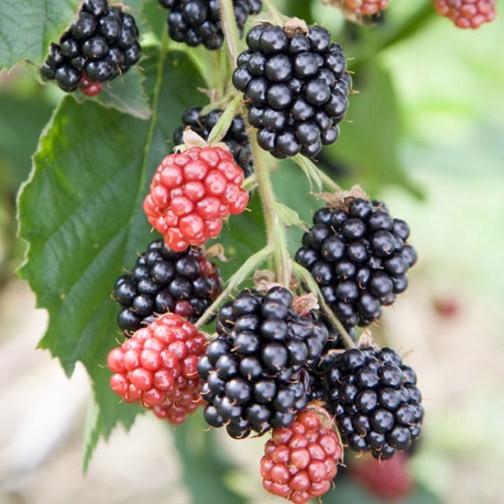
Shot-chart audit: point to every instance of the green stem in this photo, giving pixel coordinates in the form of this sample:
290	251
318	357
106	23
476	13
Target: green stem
328	181
221	127
307	278
228	22
251	264
275	13
275	229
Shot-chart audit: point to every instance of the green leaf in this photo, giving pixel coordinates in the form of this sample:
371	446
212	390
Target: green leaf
126	94
81	215
27	28
242	235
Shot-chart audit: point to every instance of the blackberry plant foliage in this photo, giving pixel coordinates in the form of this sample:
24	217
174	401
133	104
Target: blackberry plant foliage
167	233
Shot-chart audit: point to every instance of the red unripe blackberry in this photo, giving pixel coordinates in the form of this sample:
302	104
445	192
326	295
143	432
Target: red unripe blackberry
184	283
301	460
360	9
359	256
295	87
236	139
255	371
198	22
157	367
374	399
99	45
467	13
191	193
385	479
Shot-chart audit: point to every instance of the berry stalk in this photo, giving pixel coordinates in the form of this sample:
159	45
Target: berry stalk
307	278
251	264
230	30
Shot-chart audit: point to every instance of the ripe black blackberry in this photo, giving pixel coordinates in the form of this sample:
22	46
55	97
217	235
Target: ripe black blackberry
101	44
295	86
236	138
374	398
359	256
254	371
162	280
198	22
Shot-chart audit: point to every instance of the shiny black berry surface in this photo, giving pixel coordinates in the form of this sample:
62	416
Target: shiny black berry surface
359	256
295	87
255	373
101	44
375	400
196	22
163	281
236	138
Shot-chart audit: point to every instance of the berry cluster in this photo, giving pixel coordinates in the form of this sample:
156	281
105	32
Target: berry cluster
163	281
157	367
467	13
295	86
301	460
374	398
253	371
198	22
191	193
359	256
101	44
236	139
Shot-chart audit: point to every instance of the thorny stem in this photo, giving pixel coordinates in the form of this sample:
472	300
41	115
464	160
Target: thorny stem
251	264
275	229
307	278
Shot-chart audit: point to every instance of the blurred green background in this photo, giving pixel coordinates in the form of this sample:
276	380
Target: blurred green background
426	134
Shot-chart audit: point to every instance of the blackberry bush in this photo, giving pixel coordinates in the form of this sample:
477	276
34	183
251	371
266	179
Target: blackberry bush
295	86
196	22
236	139
275	355
252	371
359	256
184	283
101	44
374	399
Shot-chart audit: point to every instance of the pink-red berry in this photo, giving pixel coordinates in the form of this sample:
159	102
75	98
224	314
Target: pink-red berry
191	193
157	367
467	13
301	460
363	7
386	479
88	87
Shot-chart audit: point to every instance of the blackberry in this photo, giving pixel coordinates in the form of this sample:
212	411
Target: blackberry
295	87
253	372
198	22
163	281
374	399
359	256
100	44
236	138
